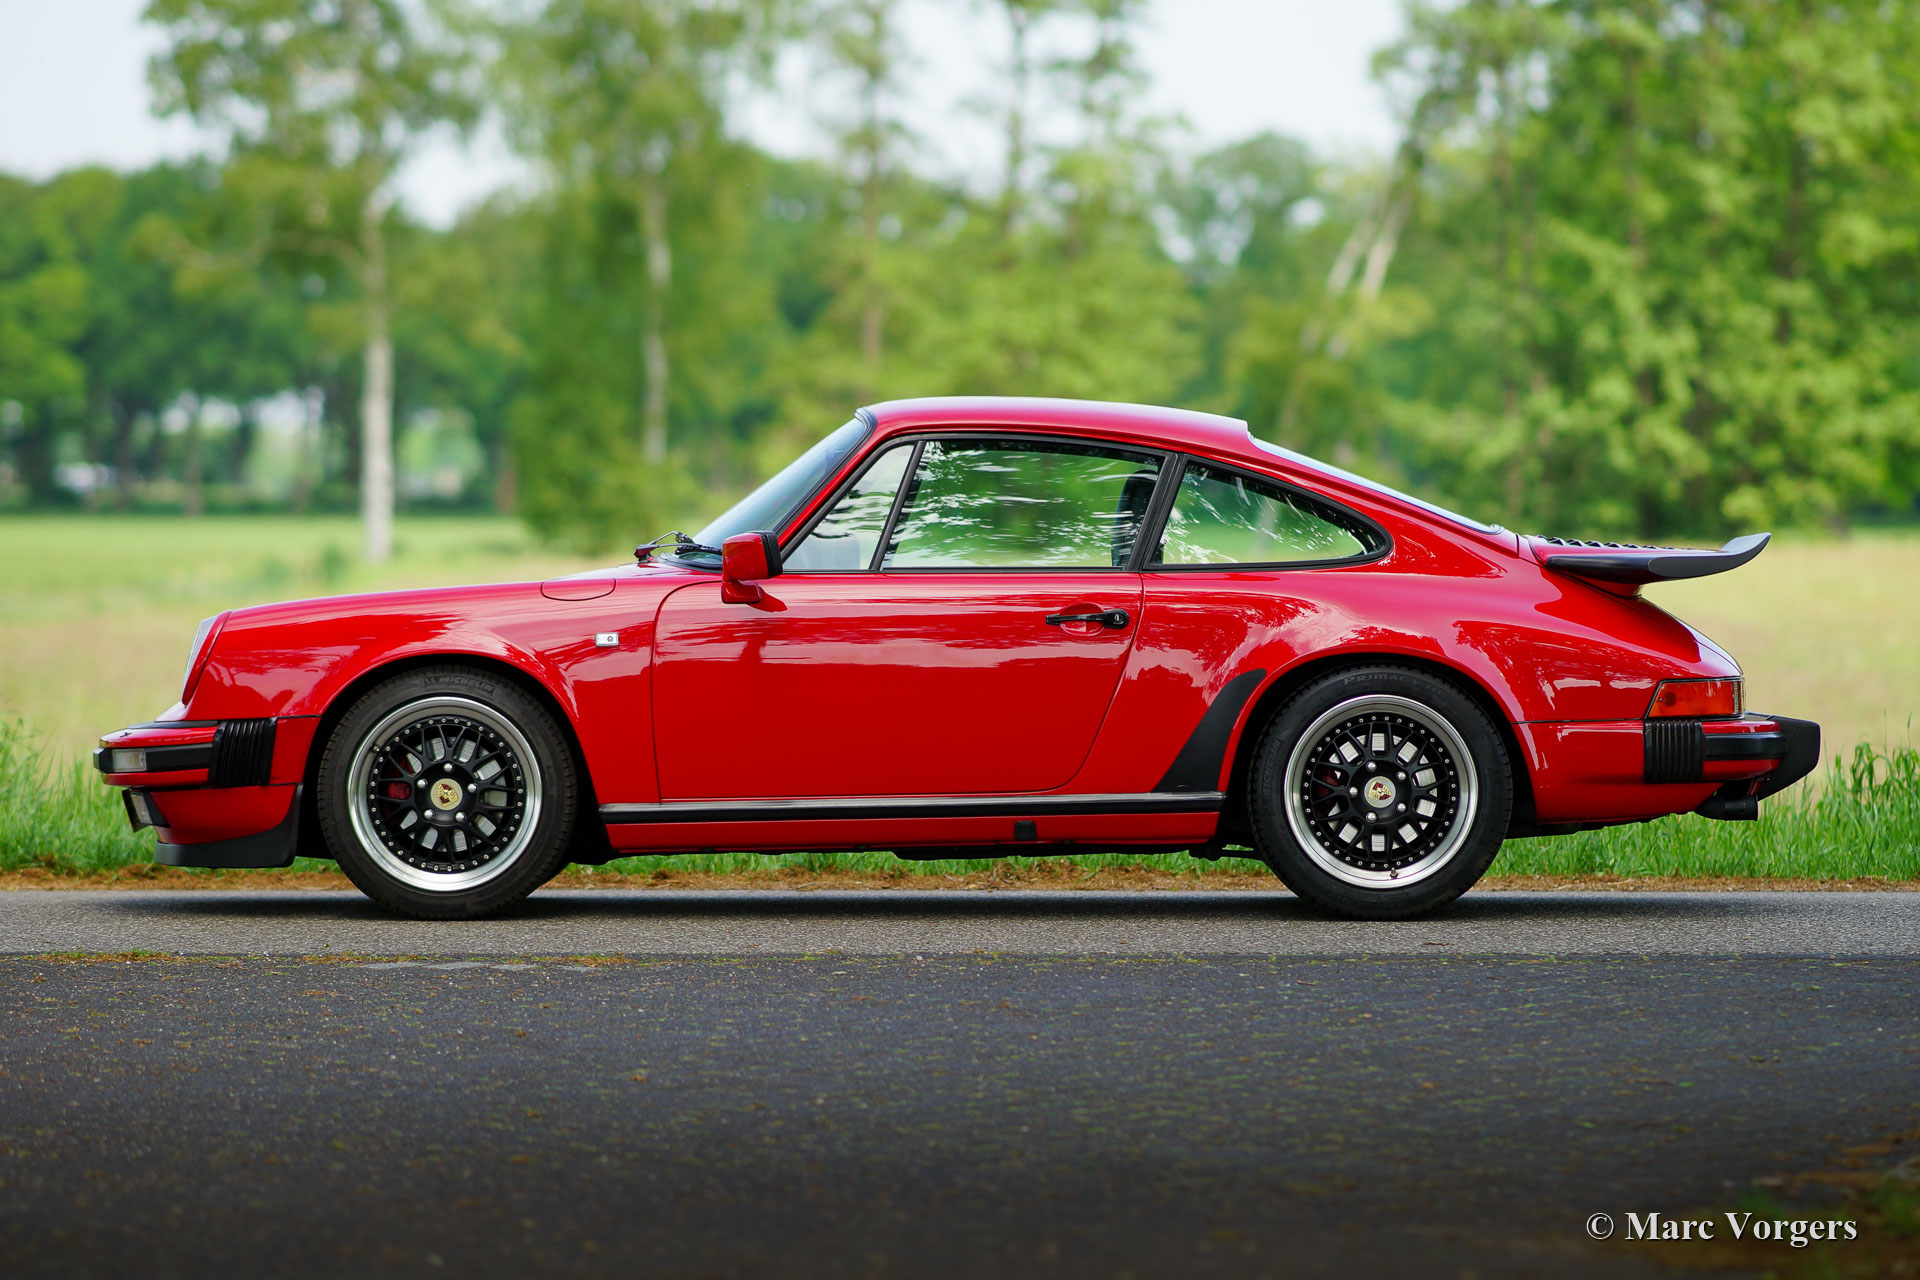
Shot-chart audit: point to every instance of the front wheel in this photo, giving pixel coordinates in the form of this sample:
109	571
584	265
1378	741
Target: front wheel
447	793
1380	793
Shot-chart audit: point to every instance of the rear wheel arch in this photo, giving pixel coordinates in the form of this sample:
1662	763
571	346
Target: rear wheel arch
590	843
1236	824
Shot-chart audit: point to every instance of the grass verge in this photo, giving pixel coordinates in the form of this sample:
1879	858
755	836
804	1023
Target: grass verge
58	821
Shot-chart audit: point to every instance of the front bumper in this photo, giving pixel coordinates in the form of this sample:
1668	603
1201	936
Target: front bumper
1751	756
186	753
219	793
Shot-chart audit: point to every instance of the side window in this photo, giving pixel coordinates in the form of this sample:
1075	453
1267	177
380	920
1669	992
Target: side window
1223	517
849	534
984	504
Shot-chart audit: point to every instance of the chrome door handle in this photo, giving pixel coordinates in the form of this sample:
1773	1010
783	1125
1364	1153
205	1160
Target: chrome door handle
1110	618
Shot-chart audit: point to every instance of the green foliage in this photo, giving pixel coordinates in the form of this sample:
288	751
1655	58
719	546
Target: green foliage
1672	246
1640	267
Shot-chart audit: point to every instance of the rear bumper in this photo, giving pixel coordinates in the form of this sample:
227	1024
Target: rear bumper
1595	773
1758	756
222	793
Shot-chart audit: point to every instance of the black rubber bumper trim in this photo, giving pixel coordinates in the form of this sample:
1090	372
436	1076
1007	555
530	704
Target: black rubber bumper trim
1797	745
176	759
921	807
242	754
133	799
1801	758
271	848
1746	746
1673	750
1678	750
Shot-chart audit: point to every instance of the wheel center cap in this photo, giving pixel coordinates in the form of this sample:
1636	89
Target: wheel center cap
445	794
1379	792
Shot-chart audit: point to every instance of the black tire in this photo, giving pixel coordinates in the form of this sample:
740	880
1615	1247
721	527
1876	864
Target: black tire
1380	793
447	793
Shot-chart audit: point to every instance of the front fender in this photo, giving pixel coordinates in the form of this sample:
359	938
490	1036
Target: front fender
295	661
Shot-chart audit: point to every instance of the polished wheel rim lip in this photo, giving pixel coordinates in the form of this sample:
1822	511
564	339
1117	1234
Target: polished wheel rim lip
381	846
1442	749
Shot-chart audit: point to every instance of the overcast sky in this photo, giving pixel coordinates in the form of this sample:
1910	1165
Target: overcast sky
73	88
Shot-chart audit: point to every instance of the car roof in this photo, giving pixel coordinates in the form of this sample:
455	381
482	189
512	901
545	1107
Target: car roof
1207	433
1145	424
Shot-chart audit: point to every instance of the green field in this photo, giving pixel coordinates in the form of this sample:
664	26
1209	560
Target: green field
96	615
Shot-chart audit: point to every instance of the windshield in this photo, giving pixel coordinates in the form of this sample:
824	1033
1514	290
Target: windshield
1377	487
774	503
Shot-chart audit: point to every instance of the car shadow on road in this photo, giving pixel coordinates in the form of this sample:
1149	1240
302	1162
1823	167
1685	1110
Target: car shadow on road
1474	911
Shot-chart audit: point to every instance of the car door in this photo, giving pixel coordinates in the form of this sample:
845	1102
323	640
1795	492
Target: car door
955	624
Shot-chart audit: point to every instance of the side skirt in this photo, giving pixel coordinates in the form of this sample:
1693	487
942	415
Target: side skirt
864	808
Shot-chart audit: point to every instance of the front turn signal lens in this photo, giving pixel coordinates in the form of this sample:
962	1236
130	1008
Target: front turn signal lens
127	760
1723	697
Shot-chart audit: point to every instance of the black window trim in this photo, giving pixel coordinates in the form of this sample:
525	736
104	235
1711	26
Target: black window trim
1169	460
1339	511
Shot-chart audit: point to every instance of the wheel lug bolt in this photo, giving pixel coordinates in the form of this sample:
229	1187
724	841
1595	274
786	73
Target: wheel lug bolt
421	783
473	786
459	817
1400	808
1353	791
447	767
1401	776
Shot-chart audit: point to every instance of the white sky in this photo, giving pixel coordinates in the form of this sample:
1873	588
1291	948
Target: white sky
73	88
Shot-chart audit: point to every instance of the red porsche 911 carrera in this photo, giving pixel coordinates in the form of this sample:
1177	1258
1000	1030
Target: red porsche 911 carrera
969	627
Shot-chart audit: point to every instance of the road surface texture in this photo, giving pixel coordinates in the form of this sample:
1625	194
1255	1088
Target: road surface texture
789	922
909	1085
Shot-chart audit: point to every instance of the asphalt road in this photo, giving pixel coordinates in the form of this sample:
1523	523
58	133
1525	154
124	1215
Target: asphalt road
1206	1088
775	922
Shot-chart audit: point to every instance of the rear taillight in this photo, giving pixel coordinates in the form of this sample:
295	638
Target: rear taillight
1722	697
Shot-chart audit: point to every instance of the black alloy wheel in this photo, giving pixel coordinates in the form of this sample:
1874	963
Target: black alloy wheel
1380	793
447	793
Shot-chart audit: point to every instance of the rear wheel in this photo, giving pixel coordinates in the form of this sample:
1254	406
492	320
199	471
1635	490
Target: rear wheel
1380	793
447	793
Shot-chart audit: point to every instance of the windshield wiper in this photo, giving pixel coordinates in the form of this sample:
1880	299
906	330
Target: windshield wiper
680	543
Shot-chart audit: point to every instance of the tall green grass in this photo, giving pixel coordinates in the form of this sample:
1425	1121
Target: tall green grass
1864	822
56	814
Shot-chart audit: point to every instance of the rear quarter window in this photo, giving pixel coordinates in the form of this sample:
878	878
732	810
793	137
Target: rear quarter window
1225	517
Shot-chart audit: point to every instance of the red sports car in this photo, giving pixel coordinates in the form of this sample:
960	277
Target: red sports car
970	627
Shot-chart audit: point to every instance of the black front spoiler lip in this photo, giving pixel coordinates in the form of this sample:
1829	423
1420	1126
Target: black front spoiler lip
273	847
1799	750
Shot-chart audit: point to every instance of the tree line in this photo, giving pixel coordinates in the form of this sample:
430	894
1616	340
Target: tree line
1637	267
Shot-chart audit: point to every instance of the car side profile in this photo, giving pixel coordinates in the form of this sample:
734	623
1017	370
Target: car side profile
978	627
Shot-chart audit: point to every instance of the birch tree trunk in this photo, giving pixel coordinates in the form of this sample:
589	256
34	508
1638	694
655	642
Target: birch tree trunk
653	339
195	461
376	397
1019	20
123	421
873	316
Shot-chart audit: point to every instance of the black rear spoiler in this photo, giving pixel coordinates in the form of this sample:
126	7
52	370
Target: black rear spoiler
1628	563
